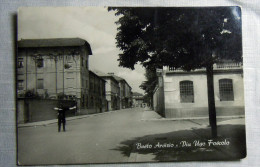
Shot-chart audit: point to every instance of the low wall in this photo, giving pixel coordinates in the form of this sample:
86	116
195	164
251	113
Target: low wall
33	110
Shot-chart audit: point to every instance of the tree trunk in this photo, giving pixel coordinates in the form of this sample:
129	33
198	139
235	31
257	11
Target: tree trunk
211	101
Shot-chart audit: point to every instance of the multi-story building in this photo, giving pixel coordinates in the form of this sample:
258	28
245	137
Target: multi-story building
125	92
182	94
96	99
112	91
53	67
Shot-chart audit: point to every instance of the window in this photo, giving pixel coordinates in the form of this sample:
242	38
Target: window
186	92
20	85
226	90
20	63
39	63
40	84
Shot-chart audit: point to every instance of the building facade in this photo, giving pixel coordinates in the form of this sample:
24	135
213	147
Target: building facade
138	99
184	94
96	99
125	92
54	67
112	91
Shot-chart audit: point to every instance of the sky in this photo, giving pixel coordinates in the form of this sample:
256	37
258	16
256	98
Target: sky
94	24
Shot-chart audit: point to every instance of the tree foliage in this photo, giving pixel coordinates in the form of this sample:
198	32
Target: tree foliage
149	85
178	37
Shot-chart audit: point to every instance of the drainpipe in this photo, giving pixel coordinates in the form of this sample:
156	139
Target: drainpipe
26	70
36	75
63	72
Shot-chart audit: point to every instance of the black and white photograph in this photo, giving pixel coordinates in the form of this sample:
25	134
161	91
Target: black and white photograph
102	85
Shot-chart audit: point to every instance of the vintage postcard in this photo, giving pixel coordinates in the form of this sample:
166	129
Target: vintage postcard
129	84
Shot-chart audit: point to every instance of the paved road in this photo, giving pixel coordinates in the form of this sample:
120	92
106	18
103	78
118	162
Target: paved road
89	140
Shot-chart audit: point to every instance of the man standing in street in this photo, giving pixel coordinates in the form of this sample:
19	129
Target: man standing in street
62	115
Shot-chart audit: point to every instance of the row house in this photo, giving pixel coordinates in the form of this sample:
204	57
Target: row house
182	94
112	91
118	91
96	101
125	92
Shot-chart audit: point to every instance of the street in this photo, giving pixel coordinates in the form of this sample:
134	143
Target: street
94	139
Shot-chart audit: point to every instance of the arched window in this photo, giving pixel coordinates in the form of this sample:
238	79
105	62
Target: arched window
226	90
186	92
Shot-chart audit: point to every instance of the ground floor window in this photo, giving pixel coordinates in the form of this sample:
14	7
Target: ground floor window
226	90
186	92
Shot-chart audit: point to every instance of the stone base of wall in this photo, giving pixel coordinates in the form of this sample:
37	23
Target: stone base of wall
202	112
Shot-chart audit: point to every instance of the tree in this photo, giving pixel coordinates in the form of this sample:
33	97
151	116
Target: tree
181	38
149	85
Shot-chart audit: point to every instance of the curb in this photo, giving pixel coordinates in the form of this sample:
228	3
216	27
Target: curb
53	121
192	118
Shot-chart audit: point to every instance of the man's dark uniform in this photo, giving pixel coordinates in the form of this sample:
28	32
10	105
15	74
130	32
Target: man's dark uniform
62	118
62	114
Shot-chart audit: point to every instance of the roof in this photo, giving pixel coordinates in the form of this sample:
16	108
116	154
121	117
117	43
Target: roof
101	74
104	75
91	72
119	79
53	42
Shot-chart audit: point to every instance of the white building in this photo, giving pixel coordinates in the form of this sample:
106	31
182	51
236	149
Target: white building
184	94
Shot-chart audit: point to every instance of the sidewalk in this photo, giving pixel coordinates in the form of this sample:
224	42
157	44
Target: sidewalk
151	115
53	121
231	128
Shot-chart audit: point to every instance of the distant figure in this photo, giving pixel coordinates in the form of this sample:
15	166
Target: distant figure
62	115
